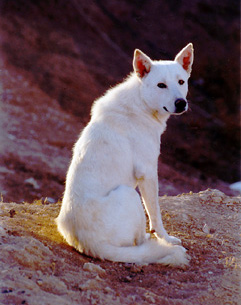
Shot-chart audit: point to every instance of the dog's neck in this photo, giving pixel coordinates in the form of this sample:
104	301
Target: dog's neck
160	119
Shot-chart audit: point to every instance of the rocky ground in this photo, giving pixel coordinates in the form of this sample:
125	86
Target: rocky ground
38	267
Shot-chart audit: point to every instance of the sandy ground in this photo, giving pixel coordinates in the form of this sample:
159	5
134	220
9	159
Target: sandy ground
38	267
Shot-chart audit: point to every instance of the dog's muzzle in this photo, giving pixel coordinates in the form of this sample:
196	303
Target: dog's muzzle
180	105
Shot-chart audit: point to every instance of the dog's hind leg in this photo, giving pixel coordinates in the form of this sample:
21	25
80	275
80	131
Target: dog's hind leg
125	221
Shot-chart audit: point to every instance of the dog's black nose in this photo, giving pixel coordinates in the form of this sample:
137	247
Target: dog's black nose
180	105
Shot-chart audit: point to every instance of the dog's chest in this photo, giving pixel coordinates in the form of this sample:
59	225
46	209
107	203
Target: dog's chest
145	146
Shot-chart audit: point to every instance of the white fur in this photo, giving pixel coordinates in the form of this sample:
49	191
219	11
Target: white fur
102	214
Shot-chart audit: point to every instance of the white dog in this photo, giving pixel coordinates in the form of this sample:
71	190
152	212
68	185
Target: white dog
102	214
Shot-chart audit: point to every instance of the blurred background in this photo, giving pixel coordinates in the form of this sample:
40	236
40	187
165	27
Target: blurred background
57	56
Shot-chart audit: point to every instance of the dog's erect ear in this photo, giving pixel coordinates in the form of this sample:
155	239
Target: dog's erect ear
185	58
141	63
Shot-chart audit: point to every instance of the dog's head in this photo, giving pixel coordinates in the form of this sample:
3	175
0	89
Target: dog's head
164	84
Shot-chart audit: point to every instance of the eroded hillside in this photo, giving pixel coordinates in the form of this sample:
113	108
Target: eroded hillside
57	58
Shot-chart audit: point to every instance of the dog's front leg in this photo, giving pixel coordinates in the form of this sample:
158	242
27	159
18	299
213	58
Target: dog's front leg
149	192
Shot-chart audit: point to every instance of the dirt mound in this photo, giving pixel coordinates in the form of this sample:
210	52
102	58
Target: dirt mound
38	267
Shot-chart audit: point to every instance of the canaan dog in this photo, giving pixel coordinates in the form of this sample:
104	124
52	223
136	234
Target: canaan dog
102	214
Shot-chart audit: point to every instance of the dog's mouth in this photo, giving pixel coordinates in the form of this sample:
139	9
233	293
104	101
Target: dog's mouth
177	112
181	106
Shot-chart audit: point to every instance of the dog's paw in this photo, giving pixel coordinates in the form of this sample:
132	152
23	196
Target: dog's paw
170	239
173	240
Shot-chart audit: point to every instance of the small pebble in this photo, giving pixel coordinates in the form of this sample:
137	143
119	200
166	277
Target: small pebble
94	268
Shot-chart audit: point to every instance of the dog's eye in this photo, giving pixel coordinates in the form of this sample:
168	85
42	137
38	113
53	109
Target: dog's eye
181	82
162	85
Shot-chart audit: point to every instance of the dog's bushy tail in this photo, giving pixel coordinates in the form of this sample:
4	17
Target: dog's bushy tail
151	251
